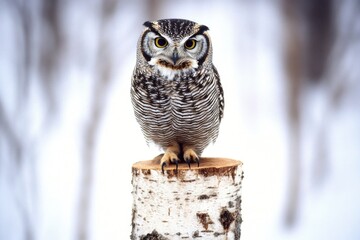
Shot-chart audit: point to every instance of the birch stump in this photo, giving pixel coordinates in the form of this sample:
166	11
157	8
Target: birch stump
201	202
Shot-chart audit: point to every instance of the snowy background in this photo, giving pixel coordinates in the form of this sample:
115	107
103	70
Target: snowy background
68	136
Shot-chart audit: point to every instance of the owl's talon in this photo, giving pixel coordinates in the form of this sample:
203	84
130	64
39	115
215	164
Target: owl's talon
188	161
177	166
191	156
162	167
176	161
197	161
169	157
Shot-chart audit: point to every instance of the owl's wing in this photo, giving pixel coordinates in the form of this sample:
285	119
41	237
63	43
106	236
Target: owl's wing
221	93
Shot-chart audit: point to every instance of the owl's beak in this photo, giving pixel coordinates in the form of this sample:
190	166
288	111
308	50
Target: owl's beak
175	56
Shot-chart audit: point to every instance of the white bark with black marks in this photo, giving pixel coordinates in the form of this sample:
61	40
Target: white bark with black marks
201	202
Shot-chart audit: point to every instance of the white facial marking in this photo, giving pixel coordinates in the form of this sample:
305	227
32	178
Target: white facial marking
168	72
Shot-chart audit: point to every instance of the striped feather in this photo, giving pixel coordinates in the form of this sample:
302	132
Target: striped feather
187	109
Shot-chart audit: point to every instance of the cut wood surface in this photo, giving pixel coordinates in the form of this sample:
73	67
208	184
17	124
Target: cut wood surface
200	202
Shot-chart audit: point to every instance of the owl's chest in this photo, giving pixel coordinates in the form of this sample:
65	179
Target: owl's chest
160	98
175	95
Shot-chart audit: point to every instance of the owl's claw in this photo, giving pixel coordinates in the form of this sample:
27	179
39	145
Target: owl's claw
188	161
162	167
191	156
164	164
197	161
167	158
176	161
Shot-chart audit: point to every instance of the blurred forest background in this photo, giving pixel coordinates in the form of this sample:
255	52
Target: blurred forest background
68	136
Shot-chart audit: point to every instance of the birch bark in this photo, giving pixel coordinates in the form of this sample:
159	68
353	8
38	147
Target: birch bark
201	202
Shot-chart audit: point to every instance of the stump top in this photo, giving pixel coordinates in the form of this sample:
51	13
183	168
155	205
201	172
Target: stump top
205	163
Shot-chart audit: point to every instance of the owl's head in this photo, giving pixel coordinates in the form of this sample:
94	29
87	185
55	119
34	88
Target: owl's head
175	45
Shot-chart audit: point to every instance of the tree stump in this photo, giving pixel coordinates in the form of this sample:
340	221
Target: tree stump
201	202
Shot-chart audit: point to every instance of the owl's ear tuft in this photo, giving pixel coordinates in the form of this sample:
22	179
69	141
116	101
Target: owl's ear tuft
151	26
203	28
148	24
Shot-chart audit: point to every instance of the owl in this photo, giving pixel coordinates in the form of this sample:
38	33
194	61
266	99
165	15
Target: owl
176	92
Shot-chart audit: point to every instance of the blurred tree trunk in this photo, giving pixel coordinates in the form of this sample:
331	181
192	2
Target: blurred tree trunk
51	48
103	77
308	39
293	50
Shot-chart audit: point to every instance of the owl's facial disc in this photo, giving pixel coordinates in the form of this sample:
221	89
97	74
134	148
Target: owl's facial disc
174	53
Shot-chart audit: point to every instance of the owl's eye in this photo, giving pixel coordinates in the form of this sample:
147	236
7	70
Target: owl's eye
160	42
190	44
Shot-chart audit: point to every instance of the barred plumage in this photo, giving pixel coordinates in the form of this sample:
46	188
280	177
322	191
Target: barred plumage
176	91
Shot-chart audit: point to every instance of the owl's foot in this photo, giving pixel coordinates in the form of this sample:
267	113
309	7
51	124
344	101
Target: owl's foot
170	156
191	156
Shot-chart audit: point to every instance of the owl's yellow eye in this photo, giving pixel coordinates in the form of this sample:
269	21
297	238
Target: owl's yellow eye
160	42
190	44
